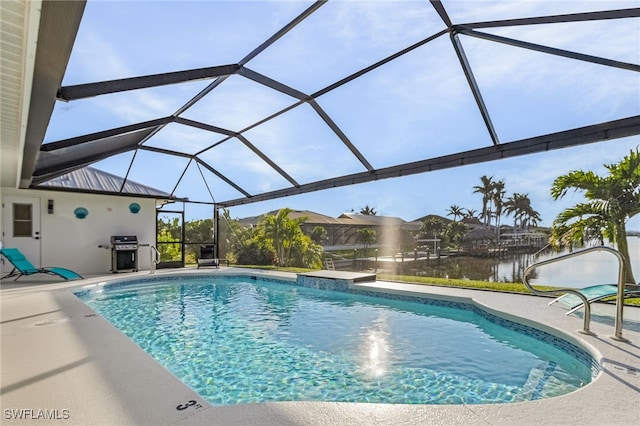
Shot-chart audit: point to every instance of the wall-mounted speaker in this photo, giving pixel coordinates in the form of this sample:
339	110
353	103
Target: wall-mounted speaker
50	206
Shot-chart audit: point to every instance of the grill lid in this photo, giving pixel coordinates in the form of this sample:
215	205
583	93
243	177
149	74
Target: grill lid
124	239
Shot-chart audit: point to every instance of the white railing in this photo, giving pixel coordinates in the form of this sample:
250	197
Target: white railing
155	258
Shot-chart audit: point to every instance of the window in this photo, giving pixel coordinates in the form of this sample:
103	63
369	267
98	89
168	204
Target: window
22	220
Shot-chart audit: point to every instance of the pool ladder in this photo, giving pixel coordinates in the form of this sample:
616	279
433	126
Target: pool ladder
587	307
155	257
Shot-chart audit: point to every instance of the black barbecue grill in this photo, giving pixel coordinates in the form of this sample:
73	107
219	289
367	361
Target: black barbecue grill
124	253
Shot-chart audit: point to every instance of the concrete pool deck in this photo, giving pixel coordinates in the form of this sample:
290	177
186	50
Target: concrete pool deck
62	362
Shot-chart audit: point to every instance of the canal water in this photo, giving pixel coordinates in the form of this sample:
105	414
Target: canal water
589	269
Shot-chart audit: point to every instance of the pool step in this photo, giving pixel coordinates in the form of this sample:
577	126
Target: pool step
538	378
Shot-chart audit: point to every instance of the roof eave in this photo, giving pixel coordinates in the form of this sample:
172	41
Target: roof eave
59	23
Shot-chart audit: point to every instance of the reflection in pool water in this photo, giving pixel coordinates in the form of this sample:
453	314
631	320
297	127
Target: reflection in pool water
239	340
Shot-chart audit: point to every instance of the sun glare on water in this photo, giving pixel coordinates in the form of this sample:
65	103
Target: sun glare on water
376	353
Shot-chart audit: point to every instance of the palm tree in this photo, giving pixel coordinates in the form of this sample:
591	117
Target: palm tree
366	236
512	207
282	231
531	217
369	211
519	205
470	213
497	198
492	199
611	201
455	211
486	190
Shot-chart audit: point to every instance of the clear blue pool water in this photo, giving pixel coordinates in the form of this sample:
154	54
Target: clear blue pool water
240	340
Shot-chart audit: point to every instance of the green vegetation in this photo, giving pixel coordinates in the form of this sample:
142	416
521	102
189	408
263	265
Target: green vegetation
611	201
319	235
450	234
169	237
366	237
276	240
196	232
450	282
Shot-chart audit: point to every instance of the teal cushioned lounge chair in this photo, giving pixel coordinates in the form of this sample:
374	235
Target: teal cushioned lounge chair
593	294
22	267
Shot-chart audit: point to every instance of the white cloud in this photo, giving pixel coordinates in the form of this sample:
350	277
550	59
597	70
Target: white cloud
96	59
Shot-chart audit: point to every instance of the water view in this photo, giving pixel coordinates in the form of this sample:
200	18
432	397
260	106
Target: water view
589	269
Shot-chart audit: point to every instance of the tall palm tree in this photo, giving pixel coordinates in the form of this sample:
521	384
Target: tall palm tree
513	206
520	206
531	218
455	211
492	199
497	198
611	201
486	190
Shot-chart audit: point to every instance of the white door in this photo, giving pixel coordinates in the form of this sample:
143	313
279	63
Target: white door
21	228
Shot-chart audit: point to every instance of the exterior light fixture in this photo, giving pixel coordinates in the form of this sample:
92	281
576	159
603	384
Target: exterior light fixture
81	212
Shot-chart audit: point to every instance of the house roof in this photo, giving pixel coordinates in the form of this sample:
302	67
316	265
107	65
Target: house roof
371	220
346	219
89	179
315	218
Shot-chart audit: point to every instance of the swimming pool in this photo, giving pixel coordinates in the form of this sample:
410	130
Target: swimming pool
240	339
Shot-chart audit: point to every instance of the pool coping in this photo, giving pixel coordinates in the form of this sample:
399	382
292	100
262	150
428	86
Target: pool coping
351	277
76	364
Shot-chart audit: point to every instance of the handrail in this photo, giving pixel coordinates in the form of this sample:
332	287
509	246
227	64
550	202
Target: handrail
154	262
587	306
541	250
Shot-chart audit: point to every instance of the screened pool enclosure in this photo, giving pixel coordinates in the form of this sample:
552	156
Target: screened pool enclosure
239	102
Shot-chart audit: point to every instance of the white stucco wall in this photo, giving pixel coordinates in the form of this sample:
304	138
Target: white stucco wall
72	243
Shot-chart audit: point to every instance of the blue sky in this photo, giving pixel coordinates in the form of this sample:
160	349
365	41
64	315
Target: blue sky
418	106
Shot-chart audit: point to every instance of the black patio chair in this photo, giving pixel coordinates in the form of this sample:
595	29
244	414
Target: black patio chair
207	257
